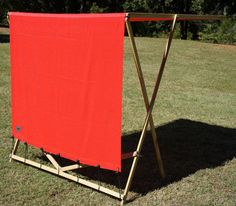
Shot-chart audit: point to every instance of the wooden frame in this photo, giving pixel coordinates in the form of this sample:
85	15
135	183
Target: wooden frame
62	171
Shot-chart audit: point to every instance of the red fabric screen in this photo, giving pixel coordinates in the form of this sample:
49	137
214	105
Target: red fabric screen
66	73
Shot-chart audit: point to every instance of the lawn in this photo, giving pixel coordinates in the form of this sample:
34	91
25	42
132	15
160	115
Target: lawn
195	117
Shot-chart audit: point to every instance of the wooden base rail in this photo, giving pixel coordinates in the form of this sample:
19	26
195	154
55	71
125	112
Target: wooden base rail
60	171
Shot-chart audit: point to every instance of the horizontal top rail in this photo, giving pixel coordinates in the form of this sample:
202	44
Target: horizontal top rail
170	17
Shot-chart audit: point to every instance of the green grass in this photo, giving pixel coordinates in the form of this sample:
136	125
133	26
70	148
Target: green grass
195	117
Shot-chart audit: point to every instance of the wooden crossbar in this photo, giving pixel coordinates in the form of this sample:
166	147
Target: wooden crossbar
72	167
128	155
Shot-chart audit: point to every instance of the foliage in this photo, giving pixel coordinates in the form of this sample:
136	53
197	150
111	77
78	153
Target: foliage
224	33
96	9
3	12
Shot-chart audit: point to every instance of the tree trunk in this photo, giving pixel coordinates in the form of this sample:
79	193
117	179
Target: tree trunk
184	30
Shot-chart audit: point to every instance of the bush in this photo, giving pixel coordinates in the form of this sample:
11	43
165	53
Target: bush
224	33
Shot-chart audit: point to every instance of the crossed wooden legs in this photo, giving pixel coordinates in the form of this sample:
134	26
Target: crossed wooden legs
149	107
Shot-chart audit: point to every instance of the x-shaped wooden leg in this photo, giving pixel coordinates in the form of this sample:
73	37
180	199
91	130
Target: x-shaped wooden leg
145	97
149	107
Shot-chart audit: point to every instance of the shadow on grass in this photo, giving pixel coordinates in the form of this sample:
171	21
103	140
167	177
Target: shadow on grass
187	146
4	38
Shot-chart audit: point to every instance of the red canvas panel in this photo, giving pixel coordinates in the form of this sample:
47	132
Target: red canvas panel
66	74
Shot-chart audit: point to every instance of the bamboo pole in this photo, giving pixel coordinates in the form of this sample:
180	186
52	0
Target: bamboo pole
145	97
142	137
15	147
